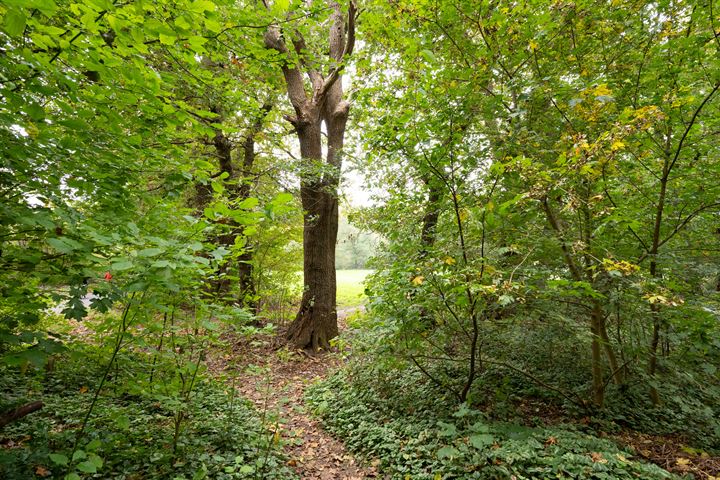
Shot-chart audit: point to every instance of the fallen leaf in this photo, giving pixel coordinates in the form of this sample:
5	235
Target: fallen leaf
42	471
597	457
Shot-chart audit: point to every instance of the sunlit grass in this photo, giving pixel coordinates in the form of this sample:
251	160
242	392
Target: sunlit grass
350	288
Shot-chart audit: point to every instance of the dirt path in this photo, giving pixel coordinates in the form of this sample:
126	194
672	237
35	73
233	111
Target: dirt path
275	380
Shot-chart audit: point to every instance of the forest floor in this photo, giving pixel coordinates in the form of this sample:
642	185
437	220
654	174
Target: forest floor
275	381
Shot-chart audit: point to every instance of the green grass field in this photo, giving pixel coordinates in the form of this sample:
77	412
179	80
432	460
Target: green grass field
350	288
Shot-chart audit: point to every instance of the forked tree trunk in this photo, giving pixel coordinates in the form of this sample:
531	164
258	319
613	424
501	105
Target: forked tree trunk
316	322
238	186
598	328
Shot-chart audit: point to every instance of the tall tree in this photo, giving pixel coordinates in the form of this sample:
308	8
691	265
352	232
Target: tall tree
316	321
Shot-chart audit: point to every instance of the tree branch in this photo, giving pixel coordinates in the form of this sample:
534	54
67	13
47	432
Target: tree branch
347	50
293	77
19	412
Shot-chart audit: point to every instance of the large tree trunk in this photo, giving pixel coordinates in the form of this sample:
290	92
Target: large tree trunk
316	322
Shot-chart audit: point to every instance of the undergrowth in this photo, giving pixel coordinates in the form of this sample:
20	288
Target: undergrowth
403	422
130	432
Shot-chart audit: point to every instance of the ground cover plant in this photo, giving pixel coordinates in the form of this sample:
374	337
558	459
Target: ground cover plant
132	430
418	436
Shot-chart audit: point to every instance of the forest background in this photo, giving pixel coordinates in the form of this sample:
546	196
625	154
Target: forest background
544	300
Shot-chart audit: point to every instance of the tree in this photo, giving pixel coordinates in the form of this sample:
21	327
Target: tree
316	320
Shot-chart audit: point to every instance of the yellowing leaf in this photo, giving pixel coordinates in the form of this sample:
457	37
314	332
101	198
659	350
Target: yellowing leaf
617	145
601	90
449	261
533	45
418	280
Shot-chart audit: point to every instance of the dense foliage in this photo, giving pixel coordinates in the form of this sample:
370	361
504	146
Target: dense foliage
545	230
561	155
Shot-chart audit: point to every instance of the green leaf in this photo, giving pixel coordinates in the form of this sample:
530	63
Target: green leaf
447	451
72	476
64	244
121	265
209	213
47	7
196	43
248	203
164	264
59	459
123	422
87	467
182	22
167	39
200	6
212	25
281	5
217	187
96	460
282	198
447	429
481	440
150	252
429	56
93	445
79	455
14	23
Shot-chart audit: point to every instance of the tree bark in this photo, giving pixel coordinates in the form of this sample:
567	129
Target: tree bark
316	321
247	290
431	216
654	249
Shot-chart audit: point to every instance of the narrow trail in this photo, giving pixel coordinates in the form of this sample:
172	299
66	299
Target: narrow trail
275	381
